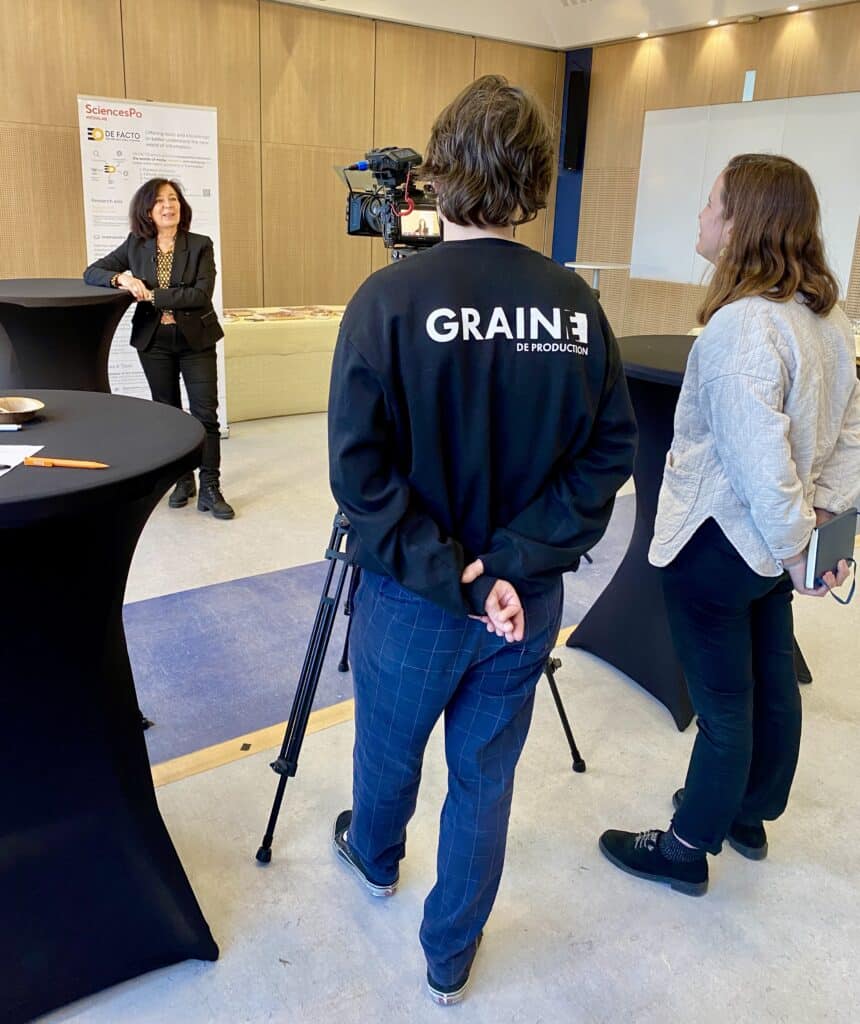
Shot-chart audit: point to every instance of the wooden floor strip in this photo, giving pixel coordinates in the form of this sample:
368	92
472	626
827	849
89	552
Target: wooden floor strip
563	634
229	751
244	746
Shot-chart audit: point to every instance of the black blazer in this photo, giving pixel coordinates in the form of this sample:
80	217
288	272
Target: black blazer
192	282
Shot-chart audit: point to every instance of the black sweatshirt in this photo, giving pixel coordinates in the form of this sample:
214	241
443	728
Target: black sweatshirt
478	408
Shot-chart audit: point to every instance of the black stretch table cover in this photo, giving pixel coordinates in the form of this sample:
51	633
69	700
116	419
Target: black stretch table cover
627	626
57	333
91	889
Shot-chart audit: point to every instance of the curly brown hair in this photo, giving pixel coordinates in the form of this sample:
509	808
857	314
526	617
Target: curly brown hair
775	247
142	202
490	155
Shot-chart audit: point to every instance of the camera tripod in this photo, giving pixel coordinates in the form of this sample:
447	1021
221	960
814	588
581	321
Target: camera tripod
287	762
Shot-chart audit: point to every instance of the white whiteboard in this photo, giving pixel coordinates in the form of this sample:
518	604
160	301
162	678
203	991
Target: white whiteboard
684	150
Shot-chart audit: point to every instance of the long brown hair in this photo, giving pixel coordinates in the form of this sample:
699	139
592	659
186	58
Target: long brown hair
142	202
490	155
775	248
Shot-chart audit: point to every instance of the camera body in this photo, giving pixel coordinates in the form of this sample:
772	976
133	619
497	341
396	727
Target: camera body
403	215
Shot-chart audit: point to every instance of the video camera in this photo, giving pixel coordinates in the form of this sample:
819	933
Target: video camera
392	208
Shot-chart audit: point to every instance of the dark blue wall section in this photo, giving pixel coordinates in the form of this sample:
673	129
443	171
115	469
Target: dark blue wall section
569	192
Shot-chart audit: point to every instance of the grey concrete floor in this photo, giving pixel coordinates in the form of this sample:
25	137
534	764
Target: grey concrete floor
571	938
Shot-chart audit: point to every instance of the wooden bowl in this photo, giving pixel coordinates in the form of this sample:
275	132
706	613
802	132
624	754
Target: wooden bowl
19	410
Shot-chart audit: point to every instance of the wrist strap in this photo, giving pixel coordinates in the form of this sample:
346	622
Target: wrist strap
846	600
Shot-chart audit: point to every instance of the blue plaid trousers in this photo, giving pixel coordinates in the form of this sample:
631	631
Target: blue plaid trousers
412	661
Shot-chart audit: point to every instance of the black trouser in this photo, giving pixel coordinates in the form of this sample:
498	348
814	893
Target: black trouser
734	636
164	360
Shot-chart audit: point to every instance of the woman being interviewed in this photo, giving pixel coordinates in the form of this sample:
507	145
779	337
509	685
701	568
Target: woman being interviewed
170	272
767	443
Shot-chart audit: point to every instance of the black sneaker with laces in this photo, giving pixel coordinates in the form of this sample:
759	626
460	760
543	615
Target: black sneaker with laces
750	841
340	842
638	854
212	500
448	995
184	490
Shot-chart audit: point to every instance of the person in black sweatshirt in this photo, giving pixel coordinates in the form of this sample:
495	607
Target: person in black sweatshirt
479	428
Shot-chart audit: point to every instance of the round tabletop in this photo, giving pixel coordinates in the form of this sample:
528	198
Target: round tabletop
135	437
659	358
55	291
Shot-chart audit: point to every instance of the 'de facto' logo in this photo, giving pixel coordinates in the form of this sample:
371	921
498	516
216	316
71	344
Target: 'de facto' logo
95	134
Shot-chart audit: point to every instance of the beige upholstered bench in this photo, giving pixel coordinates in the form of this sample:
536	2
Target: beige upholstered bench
278	360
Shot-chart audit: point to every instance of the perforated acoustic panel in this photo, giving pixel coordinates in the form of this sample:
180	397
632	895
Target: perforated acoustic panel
613	296
608	212
661	307
852	294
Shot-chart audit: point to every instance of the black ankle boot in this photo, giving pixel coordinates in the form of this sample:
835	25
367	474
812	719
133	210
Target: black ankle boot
185	488
750	841
212	500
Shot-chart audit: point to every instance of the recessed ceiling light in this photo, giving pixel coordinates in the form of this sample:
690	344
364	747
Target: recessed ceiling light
642	35
793	7
713	22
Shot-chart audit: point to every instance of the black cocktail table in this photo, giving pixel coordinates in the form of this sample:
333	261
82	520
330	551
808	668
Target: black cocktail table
627	626
56	333
91	889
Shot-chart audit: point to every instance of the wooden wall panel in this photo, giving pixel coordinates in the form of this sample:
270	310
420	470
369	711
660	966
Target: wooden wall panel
317	78
616	105
42	222
379	255
827	58
681	70
607	213
309	258
767	47
526	66
418	72
241	255
535	233
53	50
199	53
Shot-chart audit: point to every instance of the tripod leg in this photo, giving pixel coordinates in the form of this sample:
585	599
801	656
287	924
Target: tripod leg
286	764
549	670
343	664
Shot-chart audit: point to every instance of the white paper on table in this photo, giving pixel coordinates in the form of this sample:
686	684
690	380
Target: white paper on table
13	455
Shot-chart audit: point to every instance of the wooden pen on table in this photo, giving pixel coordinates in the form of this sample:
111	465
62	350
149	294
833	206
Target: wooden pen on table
33	460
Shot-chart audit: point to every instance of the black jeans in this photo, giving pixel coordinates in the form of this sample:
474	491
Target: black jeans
734	636
167	357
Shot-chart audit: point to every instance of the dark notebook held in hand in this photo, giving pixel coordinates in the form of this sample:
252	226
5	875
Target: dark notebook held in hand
830	542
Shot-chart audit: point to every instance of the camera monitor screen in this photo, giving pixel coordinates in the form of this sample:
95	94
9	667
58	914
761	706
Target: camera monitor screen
421	224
